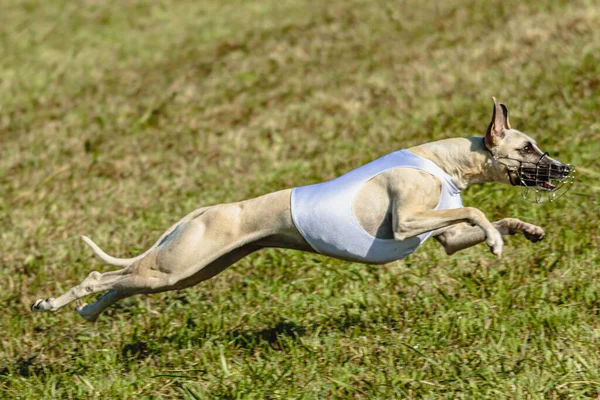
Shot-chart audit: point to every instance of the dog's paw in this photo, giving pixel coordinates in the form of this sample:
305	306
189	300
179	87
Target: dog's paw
42	305
495	242
80	308
510	226
533	233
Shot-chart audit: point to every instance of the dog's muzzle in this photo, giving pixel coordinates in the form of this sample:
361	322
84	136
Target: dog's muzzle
543	181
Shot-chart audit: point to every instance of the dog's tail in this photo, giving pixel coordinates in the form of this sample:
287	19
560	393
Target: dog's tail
126	262
119	262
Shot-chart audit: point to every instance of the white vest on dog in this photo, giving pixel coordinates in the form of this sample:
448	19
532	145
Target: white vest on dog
323	212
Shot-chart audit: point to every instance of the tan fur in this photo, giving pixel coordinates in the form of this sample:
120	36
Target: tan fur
398	204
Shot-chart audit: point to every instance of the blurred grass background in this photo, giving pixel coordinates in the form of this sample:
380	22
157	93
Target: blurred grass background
117	118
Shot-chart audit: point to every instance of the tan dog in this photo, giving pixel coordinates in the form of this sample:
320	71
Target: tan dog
397	204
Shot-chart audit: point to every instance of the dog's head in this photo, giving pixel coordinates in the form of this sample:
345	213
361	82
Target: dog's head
520	162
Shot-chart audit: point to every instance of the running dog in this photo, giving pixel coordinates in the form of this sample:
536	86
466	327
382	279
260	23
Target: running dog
375	214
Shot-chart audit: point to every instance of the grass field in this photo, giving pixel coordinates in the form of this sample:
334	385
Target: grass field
117	118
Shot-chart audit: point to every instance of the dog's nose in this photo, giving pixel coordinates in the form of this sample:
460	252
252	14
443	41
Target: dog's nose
564	170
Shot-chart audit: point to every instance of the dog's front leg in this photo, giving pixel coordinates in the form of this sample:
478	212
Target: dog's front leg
410	222
462	236
510	226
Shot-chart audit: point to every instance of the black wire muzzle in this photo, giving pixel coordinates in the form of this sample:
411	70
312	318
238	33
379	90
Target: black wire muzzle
543	183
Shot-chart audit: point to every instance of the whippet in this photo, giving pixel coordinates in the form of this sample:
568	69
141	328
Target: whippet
377	213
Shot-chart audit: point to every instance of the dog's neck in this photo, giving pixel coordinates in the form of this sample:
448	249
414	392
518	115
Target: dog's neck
466	160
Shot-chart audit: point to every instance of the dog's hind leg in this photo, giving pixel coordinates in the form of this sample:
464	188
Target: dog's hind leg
191	247
90	312
94	283
187	255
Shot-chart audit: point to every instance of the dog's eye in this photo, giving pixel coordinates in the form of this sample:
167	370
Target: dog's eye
528	148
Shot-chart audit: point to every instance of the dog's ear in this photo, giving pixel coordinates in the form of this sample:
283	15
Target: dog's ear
495	131
505	113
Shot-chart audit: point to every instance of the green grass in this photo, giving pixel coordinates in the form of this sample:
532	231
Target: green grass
117	118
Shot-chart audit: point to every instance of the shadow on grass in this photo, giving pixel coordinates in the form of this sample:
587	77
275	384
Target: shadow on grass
253	339
24	366
135	351
246	339
275	337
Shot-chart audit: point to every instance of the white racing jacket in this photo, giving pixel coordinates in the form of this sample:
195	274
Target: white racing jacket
323	212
